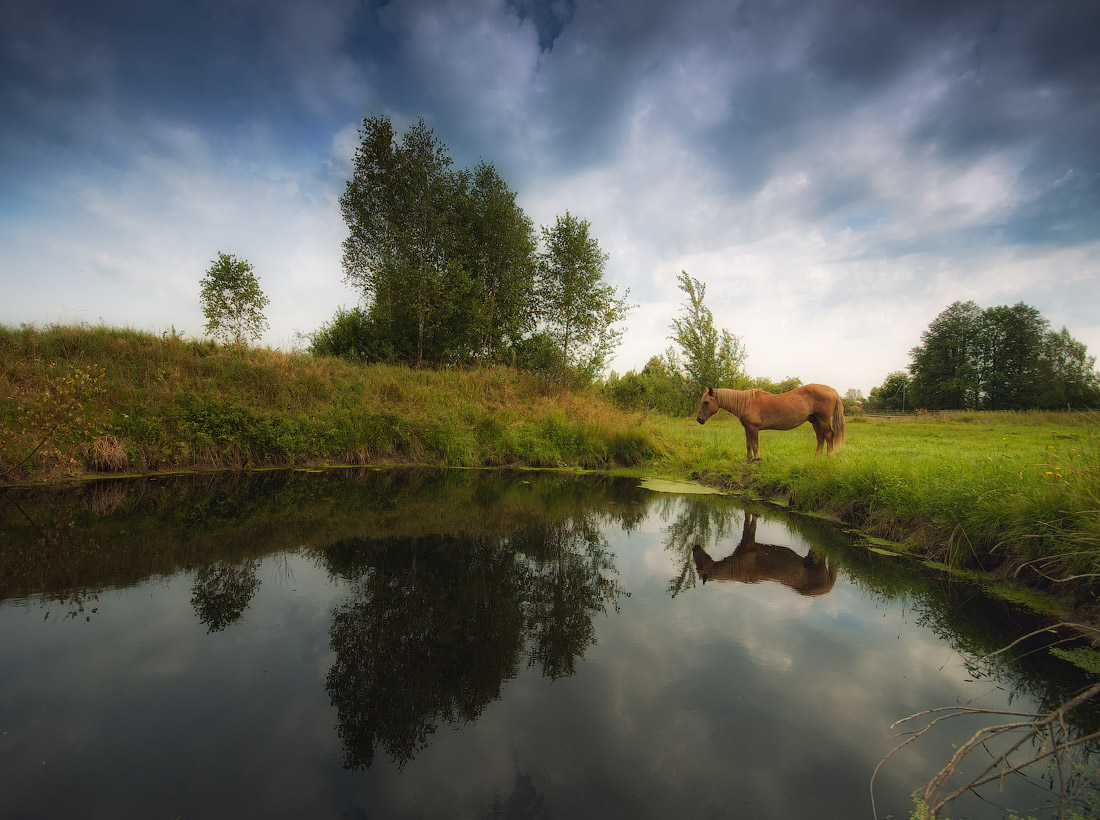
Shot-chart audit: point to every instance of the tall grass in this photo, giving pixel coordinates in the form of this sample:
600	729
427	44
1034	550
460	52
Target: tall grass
84	399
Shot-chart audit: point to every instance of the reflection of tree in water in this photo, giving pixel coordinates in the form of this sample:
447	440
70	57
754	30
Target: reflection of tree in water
222	591
434	626
565	587
524	803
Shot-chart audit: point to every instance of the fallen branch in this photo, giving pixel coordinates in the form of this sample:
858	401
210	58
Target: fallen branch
1048	731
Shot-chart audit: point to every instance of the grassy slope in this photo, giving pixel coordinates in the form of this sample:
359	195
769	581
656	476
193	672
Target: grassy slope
104	399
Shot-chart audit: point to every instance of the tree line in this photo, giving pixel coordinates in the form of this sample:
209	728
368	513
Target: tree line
997	358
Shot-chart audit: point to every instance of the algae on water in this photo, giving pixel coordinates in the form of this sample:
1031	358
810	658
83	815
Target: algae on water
663	485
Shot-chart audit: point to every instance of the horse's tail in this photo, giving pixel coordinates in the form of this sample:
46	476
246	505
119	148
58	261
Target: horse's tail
838	423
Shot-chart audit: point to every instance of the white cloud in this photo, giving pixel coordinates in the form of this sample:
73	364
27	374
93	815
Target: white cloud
133	245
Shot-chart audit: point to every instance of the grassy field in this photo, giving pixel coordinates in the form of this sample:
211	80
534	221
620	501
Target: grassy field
1008	494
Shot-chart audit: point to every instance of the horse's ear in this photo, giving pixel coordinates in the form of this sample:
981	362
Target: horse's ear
710	391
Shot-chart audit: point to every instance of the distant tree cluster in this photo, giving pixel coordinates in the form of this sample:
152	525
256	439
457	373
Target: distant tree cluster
892	396
999	358
451	269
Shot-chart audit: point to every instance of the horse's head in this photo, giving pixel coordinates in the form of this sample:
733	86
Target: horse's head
708	405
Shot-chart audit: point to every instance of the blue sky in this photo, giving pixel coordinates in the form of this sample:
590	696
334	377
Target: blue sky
836	172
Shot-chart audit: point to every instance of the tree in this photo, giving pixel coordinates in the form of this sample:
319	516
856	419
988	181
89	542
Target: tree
1074	380
350	334
232	300
892	396
657	387
709	357
499	260
1012	374
578	309
946	368
853	400
399	207
1000	358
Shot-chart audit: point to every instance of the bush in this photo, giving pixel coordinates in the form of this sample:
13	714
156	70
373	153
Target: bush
350	335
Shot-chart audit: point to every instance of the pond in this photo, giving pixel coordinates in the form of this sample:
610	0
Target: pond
404	644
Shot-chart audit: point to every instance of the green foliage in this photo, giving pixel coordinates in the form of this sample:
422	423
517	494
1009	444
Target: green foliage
763	383
445	258
1082	657
538	353
656	388
55	419
352	335
399	207
708	357
151	403
578	309
1000	358
498	256
892	396
232	301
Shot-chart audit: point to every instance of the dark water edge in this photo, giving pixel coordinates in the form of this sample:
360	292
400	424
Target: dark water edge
464	643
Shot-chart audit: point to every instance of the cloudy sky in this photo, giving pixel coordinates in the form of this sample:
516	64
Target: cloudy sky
836	172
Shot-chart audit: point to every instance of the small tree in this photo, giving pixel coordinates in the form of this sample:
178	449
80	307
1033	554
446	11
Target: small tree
709	357
579	310
892	395
232	301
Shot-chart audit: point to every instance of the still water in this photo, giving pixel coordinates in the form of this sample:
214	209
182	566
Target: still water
475	645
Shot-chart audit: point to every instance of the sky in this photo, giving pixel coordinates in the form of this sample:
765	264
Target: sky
836	172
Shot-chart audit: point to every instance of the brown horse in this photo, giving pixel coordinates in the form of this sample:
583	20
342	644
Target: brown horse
751	563
758	410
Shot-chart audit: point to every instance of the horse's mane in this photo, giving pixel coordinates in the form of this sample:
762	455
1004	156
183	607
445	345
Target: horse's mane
732	400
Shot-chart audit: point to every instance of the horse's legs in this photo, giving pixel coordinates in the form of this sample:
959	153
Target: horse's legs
752	443
819	431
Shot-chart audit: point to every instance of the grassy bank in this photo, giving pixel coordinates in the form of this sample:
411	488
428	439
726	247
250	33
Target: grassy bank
75	401
1014	495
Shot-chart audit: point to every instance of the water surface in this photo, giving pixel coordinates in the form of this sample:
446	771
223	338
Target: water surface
472	644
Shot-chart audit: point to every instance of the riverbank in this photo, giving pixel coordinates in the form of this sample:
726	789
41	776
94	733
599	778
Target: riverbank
84	401
1009	496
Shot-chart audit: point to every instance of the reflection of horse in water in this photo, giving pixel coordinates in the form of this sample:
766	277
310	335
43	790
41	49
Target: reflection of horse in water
752	562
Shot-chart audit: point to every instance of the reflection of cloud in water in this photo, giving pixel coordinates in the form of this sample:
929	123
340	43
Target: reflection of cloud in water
783	699
842	664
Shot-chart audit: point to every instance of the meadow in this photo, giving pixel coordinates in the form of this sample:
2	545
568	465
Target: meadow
1008	495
